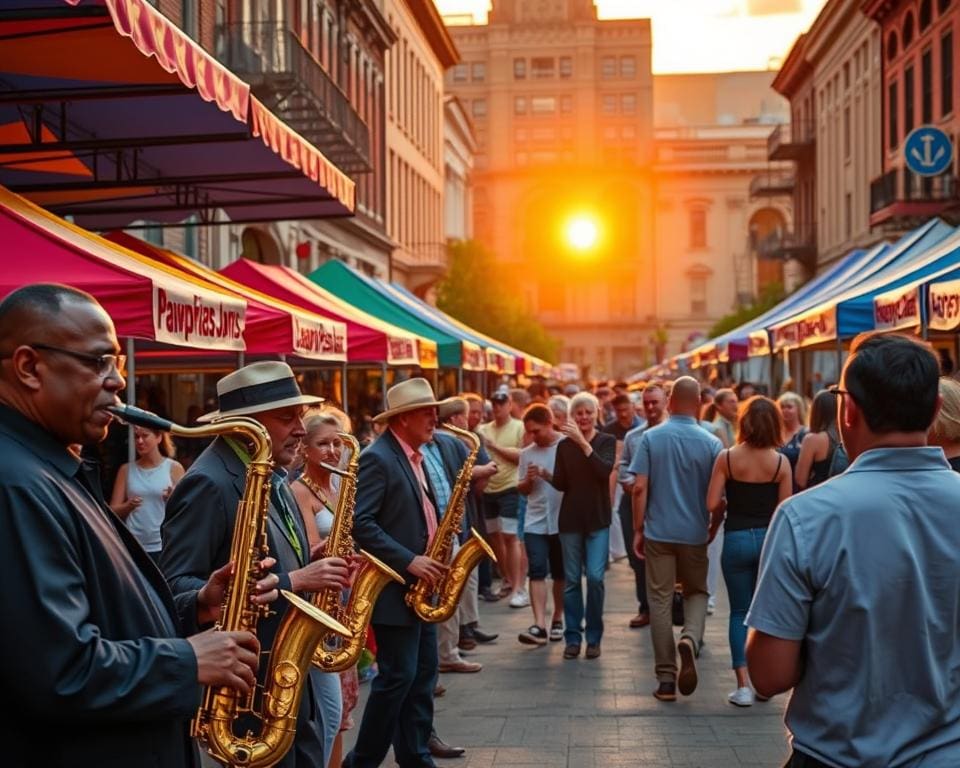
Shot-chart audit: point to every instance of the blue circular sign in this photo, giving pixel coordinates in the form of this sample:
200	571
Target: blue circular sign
928	151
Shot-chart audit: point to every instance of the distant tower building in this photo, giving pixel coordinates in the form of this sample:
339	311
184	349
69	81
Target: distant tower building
562	105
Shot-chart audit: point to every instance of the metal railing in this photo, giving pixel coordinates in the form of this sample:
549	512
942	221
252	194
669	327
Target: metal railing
784	245
789	139
771	184
903	185
287	78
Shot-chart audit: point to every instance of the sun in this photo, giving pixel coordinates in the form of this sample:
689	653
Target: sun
582	232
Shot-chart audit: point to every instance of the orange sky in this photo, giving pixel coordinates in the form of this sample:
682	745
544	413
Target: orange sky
702	35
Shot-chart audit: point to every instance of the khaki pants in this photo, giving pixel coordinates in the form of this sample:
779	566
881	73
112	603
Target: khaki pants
668	564
448	633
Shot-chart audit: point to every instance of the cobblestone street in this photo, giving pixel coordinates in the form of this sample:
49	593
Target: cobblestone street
529	707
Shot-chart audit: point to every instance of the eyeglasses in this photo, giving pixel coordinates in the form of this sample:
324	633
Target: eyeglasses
104	365
834	389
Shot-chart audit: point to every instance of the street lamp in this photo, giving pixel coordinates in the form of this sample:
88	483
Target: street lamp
582	232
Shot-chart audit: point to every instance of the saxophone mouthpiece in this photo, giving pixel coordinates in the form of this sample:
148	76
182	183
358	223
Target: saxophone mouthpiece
129	414
335	470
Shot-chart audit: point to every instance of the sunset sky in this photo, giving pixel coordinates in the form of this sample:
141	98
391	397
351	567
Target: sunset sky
701	35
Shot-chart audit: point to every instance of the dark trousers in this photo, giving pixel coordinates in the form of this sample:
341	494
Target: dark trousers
801	760
399	710
638	565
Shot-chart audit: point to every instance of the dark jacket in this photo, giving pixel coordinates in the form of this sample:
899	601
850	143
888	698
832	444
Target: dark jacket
92	668
389	523
585	482
197	533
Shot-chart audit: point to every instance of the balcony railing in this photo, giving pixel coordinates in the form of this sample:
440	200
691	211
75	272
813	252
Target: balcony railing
900	192
288	79
790	141
771	184
800	244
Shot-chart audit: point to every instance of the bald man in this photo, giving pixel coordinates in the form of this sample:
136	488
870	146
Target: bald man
91	643
672	465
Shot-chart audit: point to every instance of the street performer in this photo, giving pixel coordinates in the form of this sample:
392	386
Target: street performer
94	670
395	518
201	514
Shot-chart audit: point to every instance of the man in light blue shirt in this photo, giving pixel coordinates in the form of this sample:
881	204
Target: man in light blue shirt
857	607
672	466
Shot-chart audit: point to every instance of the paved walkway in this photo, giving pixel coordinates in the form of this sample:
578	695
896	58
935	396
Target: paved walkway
529	707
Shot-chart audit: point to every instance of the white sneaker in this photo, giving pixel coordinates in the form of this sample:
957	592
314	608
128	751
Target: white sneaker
520	599
742	697
711	606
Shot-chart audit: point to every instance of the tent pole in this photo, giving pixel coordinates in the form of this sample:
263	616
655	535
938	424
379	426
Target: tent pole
131	399
383	393
343	390
459	380
839	356
241	359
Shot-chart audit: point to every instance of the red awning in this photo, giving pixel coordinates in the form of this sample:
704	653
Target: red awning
110	113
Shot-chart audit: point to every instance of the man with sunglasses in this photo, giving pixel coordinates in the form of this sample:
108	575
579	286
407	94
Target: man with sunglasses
856	607
91	646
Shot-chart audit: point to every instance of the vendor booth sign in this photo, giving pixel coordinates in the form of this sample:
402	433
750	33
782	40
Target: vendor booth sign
943	304
897	309
194	317
319	339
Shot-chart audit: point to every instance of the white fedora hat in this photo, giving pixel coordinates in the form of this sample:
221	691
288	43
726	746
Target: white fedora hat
256	388
408	396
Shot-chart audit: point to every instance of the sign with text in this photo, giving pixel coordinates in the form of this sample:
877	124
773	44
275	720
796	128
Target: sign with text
943	305
319	338
402	350
472	357
193	317
785	336
759	344
427	353
897	309
817	327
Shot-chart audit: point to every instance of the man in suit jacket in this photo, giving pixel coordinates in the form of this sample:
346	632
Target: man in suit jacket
201	515
91	657
395	518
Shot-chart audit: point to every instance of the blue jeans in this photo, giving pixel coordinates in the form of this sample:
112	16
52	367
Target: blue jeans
584	552
740	562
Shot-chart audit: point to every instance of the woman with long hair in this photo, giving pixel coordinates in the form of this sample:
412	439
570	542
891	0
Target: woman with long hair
945	430
749	480
141	489
819	445
793	413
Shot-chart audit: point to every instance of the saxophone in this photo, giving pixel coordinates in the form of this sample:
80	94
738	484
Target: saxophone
336	653
301	628
437	604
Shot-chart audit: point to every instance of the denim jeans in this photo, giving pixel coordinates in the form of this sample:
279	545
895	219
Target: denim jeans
584	552
740	562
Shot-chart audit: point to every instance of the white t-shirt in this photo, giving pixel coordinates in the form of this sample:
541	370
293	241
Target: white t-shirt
543	502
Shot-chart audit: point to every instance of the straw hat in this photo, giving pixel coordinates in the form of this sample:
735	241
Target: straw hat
256	388
452	406
407	396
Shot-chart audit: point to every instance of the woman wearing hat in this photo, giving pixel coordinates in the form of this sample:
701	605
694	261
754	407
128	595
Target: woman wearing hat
201	514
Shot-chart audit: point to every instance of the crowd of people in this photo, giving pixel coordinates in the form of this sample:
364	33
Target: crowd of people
831	523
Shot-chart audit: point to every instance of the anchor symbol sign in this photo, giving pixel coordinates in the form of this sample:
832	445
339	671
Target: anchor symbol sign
928	151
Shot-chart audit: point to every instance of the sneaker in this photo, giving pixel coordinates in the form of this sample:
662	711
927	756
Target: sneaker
666	692
556	631
534	636
687	678
520	599
742	697
711	606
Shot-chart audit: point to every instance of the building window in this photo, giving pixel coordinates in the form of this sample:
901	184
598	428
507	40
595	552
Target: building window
543	105
520	135
608	104
926	14
610	133
891	46
942	6
906	34
698	295
848	214
908	99
946	74
479	71
698	228
479	107
846	133
893	138
542	67
628	67
608	67
926	86
628	132
191	20
519	69
544	134
460	73
519	105
566	104
566	66
628	103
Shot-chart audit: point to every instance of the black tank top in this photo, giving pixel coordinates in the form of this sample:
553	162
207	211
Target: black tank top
750	505
820	470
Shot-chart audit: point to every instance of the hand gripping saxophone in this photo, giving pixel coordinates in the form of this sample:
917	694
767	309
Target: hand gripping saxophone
436	604
336	653
300	630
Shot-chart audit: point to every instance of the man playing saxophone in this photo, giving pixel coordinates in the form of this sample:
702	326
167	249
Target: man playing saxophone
395	518
93	666
201	515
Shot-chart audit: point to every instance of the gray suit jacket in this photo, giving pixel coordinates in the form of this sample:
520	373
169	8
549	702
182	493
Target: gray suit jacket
197	533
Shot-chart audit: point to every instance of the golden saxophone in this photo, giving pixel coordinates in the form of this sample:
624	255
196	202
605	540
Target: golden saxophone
335	653
437	604
301	629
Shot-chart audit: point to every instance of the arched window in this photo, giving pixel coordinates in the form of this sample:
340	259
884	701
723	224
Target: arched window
891	46
942	6
926	14
906	34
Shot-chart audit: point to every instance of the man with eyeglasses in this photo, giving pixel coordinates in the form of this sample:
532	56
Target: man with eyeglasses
856	607
91	647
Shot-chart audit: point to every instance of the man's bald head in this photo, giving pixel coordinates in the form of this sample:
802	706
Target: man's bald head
30	313
685	397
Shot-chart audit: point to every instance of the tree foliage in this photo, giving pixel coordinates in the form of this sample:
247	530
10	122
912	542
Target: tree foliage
769	297
480	293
